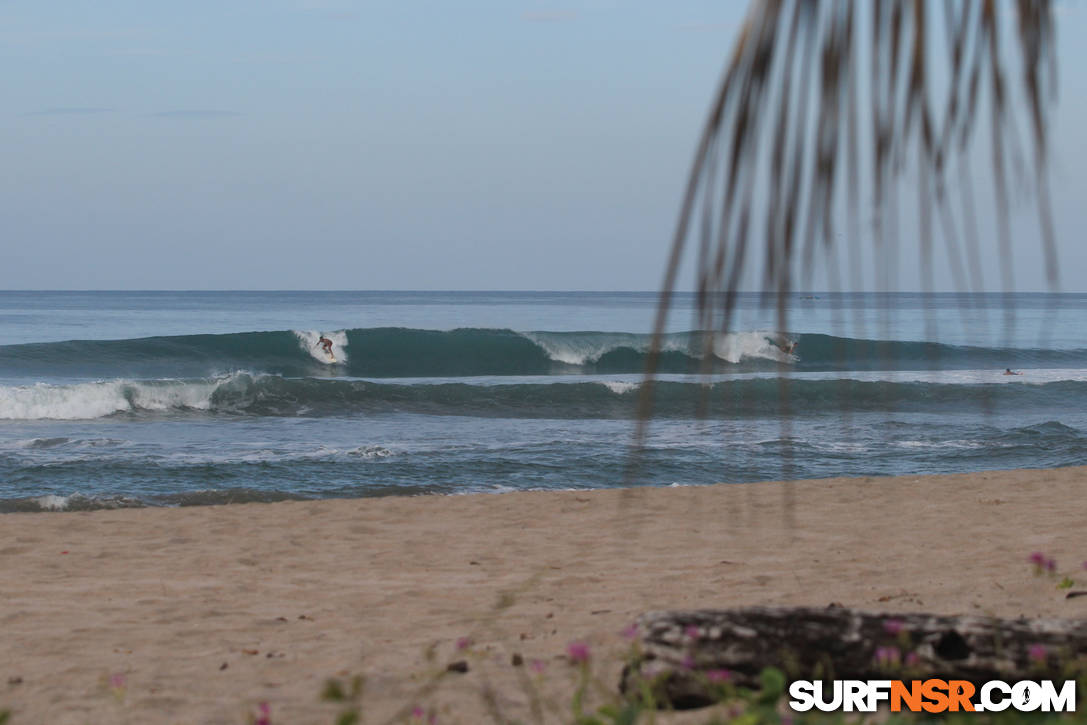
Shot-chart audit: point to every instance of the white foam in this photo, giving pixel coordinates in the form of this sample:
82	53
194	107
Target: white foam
43	401
40	443
841	446
52	502
307	340
580	348
370	452
618	386
736	346
589	347
56	502
1039	376
956	444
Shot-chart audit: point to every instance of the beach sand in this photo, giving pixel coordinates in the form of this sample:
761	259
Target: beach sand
197	615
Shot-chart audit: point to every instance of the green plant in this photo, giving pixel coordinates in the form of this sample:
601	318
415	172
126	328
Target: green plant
349	695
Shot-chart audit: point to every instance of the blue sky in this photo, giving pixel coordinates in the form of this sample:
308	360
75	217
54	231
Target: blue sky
294	144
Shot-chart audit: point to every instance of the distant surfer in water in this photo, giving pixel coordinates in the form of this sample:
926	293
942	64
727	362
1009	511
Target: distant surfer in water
326	344
1008	371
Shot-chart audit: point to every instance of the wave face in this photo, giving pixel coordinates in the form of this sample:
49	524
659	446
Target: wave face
402	352
271	395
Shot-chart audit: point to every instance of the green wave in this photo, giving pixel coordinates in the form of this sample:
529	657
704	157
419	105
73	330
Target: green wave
403	352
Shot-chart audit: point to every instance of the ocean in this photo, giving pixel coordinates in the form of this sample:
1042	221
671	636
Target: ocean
111	399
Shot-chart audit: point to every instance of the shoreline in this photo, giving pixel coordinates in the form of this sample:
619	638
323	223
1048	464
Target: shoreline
129	615
55	504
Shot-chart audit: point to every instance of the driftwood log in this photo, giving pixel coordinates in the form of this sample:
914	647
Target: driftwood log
685	653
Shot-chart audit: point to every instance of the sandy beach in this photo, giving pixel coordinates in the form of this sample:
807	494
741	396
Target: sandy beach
198	615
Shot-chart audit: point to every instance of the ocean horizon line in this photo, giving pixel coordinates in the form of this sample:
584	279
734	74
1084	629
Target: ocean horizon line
745	293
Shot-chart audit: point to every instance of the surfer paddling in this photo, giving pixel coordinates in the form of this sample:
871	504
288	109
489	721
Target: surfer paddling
326	344
1008	371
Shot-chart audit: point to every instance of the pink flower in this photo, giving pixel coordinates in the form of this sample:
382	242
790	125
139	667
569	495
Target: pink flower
117	681
1085	565
1037	653
912	659
631	630
687	663
464	643
887	656
419	714
1042	561
718	675
893	626
578	652
537	666
265	717
692	632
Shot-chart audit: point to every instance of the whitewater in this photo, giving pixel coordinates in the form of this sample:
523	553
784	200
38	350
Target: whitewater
209	398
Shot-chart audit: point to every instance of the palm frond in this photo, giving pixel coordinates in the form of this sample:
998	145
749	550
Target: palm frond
823	107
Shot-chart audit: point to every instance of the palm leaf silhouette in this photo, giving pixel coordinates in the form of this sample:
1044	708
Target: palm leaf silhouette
822	100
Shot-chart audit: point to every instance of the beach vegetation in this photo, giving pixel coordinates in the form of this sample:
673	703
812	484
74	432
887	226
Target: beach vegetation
349	695
594	700
764	701
1047	566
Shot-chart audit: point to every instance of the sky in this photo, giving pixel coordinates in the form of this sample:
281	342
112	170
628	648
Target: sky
324	144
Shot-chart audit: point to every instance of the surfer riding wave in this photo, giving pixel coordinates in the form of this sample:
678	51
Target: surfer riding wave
325	343
328	348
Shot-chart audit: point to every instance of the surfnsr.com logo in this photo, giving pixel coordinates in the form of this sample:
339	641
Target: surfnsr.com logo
932	695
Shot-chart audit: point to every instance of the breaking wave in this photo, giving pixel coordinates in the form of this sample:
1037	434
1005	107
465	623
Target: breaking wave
403	352
248	394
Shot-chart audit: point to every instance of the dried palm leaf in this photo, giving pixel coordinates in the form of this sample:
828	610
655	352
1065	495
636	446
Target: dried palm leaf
783	156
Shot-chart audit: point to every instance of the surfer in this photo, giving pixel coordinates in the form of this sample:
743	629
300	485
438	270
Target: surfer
1008	371
782	343
326	344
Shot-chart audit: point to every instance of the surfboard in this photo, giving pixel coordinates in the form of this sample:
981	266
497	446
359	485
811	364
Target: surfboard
331	357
